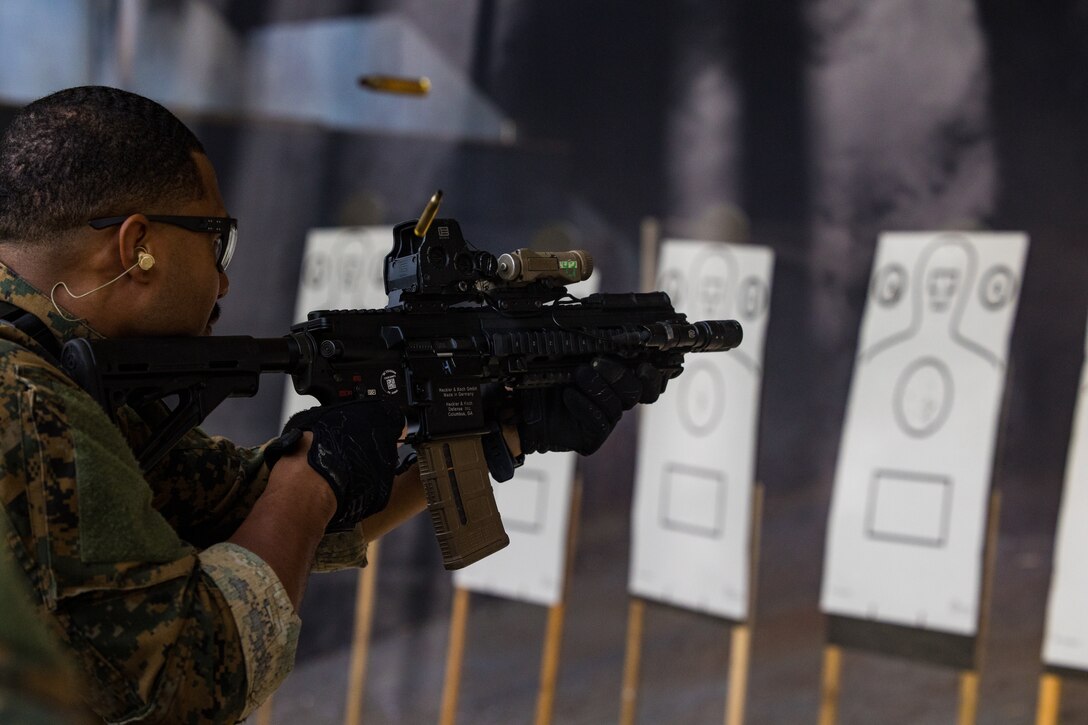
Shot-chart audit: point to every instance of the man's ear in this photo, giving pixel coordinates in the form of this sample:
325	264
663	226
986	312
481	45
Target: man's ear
133	240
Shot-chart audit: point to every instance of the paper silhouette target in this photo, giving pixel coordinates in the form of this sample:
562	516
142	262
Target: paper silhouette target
693	501
673	282
923	397
889	284
696	458
755	298
527	512
702	398
713	281
1066	641
998	287
535	508
908	510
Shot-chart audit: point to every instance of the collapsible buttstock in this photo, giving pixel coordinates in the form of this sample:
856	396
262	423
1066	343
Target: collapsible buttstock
460	500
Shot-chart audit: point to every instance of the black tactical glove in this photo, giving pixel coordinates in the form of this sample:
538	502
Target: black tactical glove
354	449
580	416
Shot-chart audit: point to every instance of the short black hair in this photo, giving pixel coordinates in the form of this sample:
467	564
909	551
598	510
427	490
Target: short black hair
90	152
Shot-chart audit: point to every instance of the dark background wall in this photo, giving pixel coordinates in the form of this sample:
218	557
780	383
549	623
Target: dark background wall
813	125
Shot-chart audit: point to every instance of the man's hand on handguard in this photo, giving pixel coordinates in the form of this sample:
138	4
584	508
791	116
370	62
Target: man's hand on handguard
581	415
354	449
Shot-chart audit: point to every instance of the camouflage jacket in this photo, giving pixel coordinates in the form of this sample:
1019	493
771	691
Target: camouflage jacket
37	685
167	621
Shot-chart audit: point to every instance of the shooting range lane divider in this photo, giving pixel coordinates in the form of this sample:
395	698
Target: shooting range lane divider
553	637
903	574
692	523
1065	642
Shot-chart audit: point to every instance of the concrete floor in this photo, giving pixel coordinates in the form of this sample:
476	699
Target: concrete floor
685	655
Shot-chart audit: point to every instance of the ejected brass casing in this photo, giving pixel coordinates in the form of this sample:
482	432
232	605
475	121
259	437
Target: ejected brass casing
525	265
396	84
428	215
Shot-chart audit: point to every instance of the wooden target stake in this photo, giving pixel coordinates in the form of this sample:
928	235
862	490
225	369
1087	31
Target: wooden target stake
830	685
649	241
1050	697
366	585
455	656
740	646
553	640
636	612
969	679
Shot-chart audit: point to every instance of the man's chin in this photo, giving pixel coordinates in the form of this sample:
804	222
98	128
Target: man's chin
212	319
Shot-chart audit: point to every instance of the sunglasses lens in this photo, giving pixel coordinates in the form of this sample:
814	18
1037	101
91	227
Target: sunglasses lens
224	246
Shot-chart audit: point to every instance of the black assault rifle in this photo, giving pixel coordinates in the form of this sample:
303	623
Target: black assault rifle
459	320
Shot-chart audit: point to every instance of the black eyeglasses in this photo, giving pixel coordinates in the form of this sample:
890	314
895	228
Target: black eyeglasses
224	226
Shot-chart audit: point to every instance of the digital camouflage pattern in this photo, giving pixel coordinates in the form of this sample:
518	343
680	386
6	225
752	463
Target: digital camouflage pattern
265	666
37	685
160	629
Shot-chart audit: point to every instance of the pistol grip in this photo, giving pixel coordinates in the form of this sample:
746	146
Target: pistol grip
460	500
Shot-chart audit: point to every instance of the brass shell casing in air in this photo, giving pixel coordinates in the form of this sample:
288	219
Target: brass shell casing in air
428	215
395	84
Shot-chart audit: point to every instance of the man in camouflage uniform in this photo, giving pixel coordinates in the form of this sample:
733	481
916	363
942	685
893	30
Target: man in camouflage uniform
175	589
